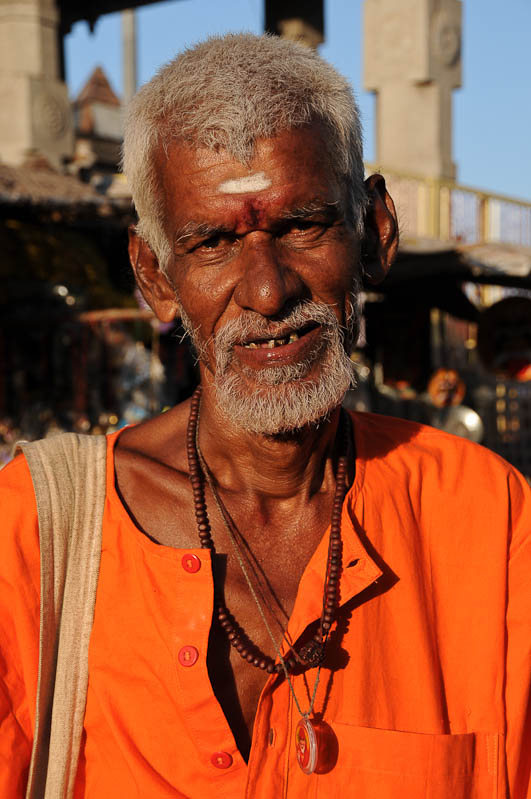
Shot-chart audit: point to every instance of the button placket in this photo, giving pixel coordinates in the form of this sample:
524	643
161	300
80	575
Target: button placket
189	654
206	722
266	757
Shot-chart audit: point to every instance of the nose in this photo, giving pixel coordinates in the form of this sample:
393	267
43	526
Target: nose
267	281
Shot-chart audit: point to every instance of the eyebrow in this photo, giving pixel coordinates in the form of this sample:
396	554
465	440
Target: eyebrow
194	230
328	209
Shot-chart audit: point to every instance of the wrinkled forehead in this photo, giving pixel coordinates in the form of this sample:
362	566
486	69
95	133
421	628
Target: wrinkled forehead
242	148
295	162
294	142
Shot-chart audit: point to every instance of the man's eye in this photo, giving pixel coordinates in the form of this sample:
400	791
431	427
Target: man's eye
302	225
304	230
213	242
216	243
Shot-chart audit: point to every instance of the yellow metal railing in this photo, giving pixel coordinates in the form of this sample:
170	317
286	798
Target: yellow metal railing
448	211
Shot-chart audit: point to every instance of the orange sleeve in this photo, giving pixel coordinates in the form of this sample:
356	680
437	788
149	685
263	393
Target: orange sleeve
518	638
19	625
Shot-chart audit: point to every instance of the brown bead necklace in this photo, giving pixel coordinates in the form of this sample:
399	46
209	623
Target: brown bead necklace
310	654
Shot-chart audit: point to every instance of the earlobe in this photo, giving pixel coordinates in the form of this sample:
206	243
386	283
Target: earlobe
380	244
152	282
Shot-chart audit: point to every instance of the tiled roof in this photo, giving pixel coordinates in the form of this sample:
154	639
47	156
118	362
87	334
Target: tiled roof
36	184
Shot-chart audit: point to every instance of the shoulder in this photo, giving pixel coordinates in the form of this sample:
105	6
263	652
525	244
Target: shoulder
19	611
19	537
388	439
16	489
19	532
433	463
460	504
59	465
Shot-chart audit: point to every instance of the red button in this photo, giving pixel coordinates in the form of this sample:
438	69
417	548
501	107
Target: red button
188	655
221	760
191	563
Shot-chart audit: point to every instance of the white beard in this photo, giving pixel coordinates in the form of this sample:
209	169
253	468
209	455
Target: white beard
281	399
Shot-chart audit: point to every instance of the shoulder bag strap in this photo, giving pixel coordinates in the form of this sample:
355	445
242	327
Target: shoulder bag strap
68	474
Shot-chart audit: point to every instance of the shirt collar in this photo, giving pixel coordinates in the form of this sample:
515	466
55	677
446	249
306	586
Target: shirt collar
359	571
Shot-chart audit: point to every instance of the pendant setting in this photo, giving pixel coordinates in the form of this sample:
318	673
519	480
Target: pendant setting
316	746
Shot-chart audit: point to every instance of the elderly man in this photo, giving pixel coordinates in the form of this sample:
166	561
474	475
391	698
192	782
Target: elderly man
292	601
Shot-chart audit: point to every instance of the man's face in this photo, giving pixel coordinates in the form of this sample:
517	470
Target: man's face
264	264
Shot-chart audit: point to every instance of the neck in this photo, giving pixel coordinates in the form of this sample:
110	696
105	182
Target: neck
280	467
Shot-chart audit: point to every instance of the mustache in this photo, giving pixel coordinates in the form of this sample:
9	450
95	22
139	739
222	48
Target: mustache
251	326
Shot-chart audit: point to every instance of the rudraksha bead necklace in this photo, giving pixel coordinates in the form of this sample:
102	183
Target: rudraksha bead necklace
310	654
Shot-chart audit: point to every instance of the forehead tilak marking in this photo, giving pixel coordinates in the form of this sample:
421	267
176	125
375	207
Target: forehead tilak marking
257	182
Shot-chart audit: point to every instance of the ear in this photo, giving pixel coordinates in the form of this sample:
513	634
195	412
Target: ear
152	282
380	243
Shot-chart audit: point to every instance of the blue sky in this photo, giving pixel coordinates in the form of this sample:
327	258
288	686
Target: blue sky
492	112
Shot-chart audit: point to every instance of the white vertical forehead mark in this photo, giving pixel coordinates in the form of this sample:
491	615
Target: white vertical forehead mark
257	182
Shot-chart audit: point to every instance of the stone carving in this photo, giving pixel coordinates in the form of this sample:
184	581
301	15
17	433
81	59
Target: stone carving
447	40
50	116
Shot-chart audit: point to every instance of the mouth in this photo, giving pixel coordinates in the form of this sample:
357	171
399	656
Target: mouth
278	341
289	347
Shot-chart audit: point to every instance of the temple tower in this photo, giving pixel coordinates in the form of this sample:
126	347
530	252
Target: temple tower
34	109
412	63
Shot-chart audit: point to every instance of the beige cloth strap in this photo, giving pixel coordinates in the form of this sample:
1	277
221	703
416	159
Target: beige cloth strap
68	474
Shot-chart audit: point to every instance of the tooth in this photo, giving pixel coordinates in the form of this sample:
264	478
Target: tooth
270	344
293	337
252	346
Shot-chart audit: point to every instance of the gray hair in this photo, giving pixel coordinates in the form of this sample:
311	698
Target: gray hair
227	92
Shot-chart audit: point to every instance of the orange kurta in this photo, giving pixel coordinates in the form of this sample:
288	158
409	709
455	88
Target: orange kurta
426	682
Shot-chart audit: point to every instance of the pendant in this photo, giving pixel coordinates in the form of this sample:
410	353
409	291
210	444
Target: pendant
316	746
306	745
